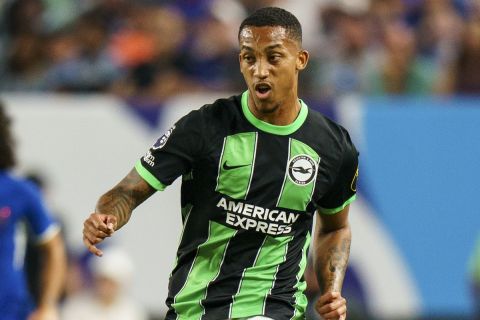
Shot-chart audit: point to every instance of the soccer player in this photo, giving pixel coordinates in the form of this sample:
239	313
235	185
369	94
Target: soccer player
256	169
21	202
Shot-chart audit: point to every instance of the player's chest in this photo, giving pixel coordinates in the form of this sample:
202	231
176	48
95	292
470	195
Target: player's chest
10	215
277	171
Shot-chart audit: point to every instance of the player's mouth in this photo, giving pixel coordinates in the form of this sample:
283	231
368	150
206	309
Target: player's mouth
263	90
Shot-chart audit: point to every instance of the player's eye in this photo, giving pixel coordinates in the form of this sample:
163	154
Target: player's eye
248	58
274	57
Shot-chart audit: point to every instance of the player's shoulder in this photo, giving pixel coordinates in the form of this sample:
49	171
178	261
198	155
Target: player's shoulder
217	113
18	185
222	107
327	128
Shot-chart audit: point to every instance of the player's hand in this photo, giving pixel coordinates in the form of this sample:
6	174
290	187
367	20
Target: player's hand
96	228
332	306
45	313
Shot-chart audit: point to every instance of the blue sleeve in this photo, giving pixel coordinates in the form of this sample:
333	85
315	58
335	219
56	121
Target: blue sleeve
39	218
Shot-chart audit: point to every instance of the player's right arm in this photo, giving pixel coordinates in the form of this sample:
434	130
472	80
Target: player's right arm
114	208
171	156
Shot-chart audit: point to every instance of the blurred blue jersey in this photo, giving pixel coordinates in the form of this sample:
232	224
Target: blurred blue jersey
20	202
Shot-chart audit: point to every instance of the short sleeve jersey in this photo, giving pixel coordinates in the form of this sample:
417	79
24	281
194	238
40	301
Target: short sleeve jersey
20	205
249	192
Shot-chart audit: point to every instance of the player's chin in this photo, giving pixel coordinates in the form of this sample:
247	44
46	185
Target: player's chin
267	106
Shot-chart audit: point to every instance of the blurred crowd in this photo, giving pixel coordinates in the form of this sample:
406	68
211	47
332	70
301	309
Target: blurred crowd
151	50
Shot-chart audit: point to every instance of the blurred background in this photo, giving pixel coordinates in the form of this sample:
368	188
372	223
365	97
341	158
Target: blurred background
91	84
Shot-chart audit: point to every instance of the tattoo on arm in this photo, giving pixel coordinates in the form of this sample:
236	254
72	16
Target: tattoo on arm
124	197
337	260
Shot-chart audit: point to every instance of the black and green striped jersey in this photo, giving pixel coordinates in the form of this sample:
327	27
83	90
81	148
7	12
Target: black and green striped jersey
249	192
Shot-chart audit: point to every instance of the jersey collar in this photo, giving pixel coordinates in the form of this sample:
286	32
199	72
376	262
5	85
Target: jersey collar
271	128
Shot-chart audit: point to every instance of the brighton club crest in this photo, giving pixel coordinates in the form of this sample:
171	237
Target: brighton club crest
302	169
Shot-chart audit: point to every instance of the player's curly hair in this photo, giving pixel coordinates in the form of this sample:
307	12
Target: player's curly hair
272	17
7	155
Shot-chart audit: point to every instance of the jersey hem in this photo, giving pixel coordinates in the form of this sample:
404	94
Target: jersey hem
148	177
338	209
271	128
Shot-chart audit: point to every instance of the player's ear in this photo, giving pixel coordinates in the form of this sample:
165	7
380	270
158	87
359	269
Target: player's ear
302	59
240	62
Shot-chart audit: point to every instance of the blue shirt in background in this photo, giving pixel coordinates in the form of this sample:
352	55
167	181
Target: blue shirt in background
21	207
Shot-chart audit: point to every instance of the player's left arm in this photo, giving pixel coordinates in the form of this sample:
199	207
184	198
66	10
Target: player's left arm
332	236
52	279
331	246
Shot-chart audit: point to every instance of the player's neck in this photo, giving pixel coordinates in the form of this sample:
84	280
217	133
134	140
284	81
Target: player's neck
280	114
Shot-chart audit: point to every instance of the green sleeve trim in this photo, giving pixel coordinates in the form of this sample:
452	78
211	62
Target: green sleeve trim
150	178
338	209
271	128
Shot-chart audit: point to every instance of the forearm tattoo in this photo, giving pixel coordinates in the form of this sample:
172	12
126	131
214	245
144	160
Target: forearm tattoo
124	197
337	258
333	263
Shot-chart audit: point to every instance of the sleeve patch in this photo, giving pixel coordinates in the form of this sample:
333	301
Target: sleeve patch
353	185
163	139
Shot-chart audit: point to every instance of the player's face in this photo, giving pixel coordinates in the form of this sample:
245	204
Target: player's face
270	61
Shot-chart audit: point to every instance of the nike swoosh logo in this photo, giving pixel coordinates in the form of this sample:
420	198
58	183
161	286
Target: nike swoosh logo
227	167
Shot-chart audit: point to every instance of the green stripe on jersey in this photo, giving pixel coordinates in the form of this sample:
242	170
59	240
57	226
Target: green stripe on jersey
186	210
258	280
236	165
150	178
205	268
300	176
300	298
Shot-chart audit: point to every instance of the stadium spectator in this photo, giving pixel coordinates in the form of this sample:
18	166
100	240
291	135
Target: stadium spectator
25	64
90	66
24	17
211	55
439	31
149	48
108	299
343	56
466	66
399	70
439	28
20	201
